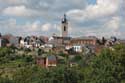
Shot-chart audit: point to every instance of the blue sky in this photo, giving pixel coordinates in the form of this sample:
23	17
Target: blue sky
43	17
91	1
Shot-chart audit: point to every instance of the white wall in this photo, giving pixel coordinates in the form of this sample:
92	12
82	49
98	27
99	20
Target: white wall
77	48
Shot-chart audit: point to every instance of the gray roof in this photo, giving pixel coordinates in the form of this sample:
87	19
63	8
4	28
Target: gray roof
51	57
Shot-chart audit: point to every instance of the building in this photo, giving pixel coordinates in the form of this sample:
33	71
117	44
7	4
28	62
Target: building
14	41
47	61
122	41
61	41
44	38
4	41
64	26
56	41
77	44
64	42
77	48
31	42
83	41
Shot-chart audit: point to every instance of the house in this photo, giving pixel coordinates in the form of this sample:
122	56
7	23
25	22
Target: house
14	41
41	61
77	48
122	41
10	40
39	42
4	42
111	42
31	42
22	43
47	61
51	61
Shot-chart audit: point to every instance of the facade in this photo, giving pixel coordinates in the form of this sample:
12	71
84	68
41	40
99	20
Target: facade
58	41
83	41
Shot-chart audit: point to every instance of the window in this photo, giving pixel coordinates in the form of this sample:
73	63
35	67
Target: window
64	28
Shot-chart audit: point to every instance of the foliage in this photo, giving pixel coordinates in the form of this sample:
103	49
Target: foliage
5	80
107	67
53	75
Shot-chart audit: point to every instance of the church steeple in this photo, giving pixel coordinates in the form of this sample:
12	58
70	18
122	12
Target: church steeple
64	26
64	20
0	35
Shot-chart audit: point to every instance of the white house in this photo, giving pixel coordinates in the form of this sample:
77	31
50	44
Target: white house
77	48
22	43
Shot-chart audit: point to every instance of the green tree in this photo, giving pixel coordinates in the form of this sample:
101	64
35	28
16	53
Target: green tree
5	80
108	66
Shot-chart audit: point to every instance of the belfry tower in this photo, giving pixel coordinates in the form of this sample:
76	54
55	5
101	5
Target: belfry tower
64	26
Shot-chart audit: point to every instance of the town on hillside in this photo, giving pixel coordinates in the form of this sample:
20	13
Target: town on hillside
49	47
62	41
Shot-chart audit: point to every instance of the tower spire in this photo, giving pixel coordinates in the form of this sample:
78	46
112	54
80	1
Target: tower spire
64	26
64	16
64	19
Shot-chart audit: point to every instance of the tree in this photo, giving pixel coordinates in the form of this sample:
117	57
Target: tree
5	80
29	59
60	74
40	51
108	67
5	54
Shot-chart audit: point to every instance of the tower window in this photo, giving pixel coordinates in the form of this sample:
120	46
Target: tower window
64	28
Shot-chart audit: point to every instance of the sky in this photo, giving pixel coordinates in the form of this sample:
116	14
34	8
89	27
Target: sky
43	17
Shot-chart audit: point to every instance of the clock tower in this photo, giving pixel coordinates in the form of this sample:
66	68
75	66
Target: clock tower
64	26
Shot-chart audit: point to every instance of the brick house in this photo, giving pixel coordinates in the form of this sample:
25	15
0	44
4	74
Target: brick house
49	61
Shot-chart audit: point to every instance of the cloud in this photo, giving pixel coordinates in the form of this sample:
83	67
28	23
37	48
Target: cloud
29	28
108	28
101	19
28	17
113	24
51	28
111	28
101	9
14	2
46	27
19	11
35	28
41	8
